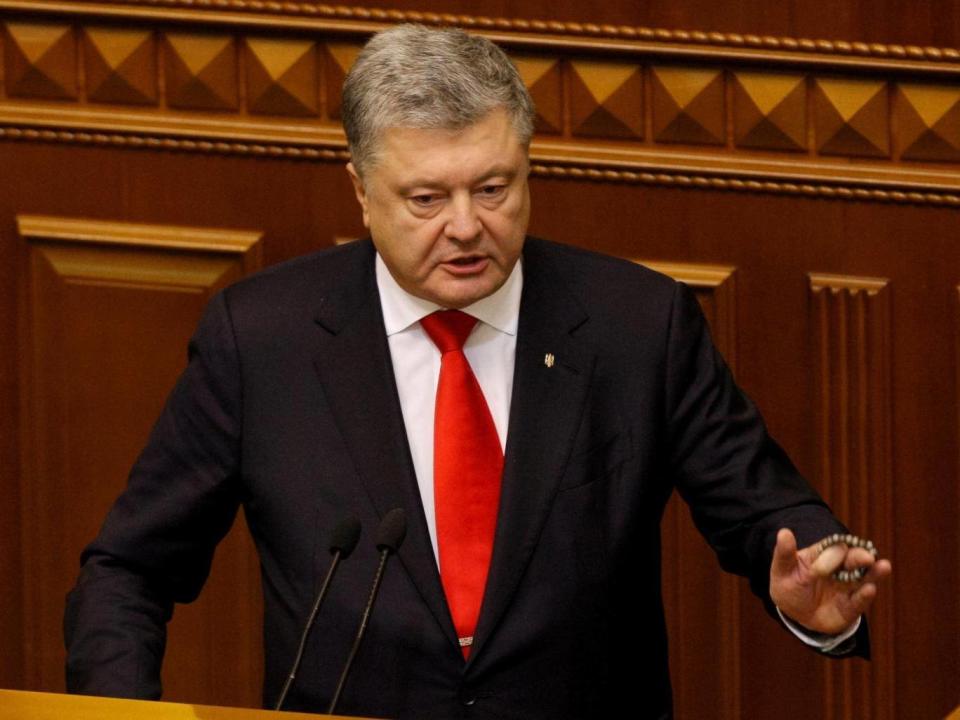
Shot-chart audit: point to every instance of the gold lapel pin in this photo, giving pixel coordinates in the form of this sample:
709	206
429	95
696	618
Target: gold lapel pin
548	360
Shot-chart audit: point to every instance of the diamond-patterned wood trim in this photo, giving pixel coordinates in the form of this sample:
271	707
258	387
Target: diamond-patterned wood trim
40	60
340	57
688	105
606	99
928	121
121	66
619	117
543	78
282	76
769	110
201	71
289	11
852	117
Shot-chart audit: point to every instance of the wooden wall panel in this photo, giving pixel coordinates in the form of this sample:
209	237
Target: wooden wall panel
107	309
853	335
700	135
702	603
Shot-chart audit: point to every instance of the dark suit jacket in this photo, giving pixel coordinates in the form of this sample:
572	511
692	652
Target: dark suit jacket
289	408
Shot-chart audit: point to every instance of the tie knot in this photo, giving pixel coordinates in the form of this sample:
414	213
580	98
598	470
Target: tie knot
448	329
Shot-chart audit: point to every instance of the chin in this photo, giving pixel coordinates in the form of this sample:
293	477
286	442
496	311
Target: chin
462	297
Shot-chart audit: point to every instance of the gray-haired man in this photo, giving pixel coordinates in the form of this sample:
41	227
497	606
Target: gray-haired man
312	394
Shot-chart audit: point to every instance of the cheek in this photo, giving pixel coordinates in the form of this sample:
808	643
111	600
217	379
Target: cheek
409	242
509	225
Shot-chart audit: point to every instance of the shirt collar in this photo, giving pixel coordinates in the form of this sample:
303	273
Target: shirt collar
500	310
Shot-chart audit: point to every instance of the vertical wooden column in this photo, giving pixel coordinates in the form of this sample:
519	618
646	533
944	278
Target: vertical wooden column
702	603
852	340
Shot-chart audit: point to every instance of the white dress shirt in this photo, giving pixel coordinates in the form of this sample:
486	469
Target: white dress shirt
490	350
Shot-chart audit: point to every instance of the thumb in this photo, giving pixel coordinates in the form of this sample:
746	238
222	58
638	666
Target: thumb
784	554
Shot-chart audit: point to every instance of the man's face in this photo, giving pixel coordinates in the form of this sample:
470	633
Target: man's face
448	209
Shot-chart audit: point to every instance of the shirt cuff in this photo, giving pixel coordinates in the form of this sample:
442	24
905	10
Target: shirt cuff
821	641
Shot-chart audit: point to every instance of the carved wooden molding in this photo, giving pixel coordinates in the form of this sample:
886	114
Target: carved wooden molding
150	78
715	284
313	10
852	326
734	183
40	227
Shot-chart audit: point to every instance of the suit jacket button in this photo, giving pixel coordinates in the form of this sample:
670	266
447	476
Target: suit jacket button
466	697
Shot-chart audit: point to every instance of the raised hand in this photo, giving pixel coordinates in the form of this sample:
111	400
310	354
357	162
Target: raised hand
803	587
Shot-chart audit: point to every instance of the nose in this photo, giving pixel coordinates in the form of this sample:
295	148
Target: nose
463	224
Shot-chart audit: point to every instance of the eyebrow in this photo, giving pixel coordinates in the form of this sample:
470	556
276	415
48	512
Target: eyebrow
503	171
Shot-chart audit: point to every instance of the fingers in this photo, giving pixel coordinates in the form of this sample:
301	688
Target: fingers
862	598
859	599
840	556
857	557
784	554
879	571
830	560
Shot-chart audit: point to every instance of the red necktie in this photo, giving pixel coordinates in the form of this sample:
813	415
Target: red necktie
467	466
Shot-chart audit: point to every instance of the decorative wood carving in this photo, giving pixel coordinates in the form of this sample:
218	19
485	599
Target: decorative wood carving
40	61
851	320
735	41
888	194
340	58
929	120
701	602
851	117
270	76
543	76
606	99
770	110
201	71
106	311
688	105
121	65
282	76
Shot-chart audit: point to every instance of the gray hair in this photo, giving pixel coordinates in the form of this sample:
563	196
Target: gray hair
415	77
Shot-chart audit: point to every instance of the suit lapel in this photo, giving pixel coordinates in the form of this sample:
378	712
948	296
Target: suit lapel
546	407
353	362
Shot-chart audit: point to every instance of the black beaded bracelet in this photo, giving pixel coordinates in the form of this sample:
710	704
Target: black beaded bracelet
857	574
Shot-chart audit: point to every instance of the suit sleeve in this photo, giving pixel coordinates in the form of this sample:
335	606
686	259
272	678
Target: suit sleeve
157	543
740	485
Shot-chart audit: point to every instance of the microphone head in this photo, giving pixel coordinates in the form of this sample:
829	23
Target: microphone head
392	530
344	536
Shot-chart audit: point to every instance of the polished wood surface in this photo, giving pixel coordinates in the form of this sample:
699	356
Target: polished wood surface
802	176
20	705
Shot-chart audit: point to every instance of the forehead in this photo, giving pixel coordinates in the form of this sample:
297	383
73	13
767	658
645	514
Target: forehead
489	145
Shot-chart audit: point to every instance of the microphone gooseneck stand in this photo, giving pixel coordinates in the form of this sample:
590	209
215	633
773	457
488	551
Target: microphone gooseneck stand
390	535
342	542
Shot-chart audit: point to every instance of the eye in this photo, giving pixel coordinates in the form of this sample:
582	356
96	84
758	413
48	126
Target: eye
492	191
424	200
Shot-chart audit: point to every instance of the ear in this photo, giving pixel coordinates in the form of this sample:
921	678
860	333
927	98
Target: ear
360	192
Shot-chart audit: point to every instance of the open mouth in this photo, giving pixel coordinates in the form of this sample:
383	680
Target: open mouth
466	265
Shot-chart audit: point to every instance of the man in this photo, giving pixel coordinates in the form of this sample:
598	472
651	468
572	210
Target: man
330	386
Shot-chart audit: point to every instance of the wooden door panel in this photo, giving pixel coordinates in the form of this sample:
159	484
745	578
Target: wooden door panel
106	314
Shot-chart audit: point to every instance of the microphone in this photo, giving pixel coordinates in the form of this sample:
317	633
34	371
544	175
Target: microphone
390	535
343	540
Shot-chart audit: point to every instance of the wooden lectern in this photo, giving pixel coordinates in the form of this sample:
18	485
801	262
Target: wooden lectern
22	705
